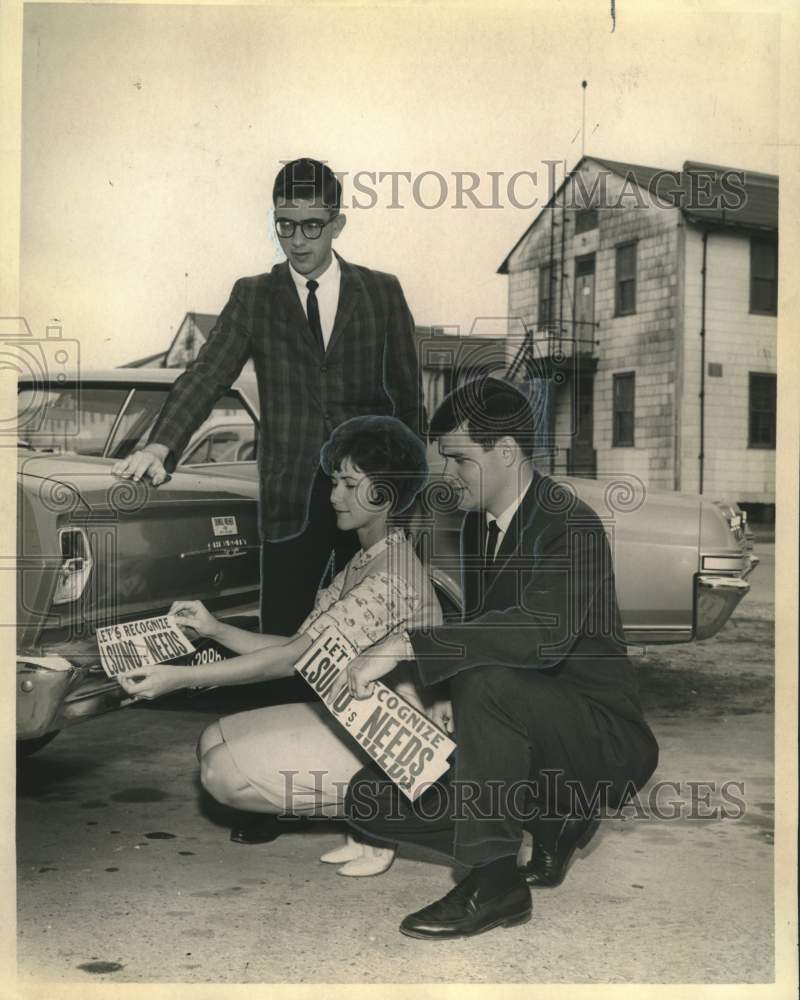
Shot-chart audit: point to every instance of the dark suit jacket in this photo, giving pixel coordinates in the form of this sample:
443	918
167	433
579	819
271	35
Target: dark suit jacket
370	366
548	603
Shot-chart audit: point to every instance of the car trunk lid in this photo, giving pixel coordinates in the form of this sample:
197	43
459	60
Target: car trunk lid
187	539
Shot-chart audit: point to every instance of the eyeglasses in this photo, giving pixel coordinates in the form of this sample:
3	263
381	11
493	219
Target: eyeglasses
311	228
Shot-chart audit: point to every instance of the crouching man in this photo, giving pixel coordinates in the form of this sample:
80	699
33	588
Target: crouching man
545	706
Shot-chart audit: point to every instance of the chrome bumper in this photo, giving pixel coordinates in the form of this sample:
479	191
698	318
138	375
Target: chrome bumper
716	598
753	562
42	686
53	693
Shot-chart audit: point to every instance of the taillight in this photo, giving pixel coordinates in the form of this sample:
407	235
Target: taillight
76	565
722	564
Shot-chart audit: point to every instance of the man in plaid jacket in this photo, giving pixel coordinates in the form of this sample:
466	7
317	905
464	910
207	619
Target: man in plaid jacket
329	340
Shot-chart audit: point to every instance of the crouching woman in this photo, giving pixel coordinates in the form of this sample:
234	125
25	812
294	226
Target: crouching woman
296	759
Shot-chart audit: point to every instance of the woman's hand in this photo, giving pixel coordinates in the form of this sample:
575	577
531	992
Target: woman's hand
196	615
152	682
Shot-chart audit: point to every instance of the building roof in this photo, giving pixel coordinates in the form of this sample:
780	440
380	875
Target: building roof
739	198
151	361
644	176
758	199
203	321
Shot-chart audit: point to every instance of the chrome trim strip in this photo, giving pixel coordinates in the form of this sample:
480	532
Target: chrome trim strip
83	694
724	583
216	553
657	628
120	414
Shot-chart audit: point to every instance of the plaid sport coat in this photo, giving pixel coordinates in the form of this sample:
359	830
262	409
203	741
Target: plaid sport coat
370	366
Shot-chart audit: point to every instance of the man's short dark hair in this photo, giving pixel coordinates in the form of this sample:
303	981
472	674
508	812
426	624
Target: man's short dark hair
388	452
307	180
491	408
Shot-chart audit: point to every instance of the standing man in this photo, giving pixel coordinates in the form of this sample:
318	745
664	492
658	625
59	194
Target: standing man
547	717
329	340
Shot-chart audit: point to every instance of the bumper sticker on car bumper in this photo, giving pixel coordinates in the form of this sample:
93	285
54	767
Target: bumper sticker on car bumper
129	646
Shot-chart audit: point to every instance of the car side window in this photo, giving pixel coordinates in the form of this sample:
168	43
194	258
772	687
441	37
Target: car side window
228	435
221	446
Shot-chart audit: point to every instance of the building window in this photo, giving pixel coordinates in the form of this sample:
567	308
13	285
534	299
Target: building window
764	277
762	410
545	294
626	279
624	400
585	220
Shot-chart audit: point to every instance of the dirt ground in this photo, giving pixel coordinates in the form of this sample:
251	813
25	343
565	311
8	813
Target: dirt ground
126	873
731	674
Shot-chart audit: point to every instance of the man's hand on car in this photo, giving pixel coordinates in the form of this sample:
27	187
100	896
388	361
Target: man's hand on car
148	461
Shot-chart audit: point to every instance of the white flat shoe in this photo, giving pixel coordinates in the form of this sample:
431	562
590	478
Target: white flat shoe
349	851
373	861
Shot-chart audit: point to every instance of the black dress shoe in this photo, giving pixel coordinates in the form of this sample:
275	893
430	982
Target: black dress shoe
548	866
256	828
461	913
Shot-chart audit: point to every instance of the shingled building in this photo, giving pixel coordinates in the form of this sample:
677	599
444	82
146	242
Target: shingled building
649	298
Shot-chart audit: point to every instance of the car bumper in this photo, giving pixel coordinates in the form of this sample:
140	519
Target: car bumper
716	598
53	693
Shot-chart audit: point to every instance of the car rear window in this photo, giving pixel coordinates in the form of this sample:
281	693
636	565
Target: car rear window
69	419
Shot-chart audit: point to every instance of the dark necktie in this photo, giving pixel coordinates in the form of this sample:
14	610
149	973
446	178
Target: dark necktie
312	307
491	543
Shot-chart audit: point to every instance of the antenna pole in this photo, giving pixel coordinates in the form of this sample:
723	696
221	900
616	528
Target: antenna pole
584	85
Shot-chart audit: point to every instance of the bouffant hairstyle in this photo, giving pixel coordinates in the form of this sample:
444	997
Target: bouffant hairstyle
491	408
389	453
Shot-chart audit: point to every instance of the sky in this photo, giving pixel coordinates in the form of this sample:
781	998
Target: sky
151	136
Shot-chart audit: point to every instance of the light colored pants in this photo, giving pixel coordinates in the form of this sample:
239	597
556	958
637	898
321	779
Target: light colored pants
296	756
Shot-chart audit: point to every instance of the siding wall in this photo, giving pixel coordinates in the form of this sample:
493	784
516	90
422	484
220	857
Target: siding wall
644	342
741	343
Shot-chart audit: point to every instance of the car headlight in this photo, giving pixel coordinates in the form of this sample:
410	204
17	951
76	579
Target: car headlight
76	566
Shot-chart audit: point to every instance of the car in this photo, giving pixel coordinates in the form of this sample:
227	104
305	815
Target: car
94	550
221	438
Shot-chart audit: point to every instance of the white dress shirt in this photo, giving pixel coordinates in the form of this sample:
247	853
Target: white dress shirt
327	295
503	522
504	519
